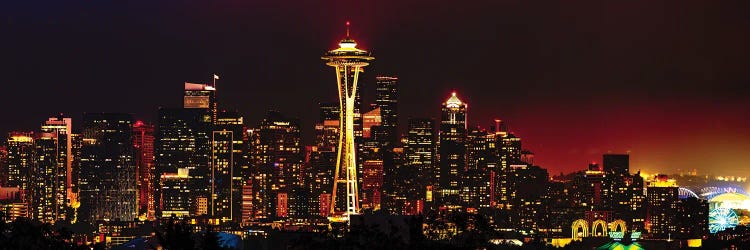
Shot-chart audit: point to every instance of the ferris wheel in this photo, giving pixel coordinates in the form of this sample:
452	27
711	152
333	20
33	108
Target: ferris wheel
720	219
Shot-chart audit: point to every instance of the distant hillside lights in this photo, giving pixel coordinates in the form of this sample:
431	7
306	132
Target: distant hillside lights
731	178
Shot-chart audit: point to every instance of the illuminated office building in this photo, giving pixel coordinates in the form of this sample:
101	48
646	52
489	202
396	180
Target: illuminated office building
12	204
277	162
452	149
528	184
3	166
372	184
63	127
183	141
201	96
226	163
143	144
510	154
20	146
327	129
386	99
319	164
348	62
478	184
108	184
175	193
75	168
419	154
49	175
662	198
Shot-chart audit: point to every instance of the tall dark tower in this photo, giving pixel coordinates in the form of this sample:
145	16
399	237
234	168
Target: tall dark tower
143	143
617	164
452	149
386	98
108	184
419	150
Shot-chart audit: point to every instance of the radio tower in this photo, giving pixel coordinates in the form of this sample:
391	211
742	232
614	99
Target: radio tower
348	62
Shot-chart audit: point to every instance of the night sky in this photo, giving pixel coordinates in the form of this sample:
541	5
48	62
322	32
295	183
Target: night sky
663	80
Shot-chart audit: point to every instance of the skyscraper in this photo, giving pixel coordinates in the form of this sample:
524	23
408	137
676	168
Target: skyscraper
20	159
277	162
143	144
108	184
419	153
349	62
183	141
477	182
510	154
49	175
226	155
662	198
201	96
386	99
372	184
63	127
452	149
174	198
3	166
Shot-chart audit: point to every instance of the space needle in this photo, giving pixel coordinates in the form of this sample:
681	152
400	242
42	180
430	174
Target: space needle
349	62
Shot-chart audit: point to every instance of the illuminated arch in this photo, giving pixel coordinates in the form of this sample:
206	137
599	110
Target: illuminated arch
599	224
580	229
617	226
686	193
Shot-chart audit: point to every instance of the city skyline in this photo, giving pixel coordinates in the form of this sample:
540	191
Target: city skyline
533	127
646	86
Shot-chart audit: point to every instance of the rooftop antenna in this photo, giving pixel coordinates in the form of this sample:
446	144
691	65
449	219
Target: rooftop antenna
347	29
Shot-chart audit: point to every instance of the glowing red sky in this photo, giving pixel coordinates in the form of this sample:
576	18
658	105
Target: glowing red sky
663	80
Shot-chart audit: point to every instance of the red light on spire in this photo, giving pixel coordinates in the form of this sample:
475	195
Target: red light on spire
347	28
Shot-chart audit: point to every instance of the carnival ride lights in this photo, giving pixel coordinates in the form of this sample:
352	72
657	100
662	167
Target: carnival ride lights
720	219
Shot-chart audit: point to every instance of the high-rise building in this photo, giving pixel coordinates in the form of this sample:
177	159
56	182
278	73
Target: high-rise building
319	164
349	62
75	168
201	96
49	174
63	127
108	184
327	128
372	184
371	119
12	204
20	159
143	144
662	198
277	162
529	184
616	164
247	202
386	99
226	163
510	154
692	217
175	194
3	166
483	156
419	153
452	149
183	141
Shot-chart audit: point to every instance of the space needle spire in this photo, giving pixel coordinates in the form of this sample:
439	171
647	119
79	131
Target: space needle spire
348	61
